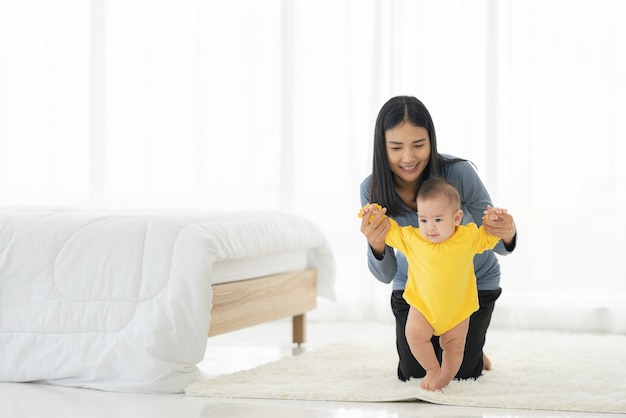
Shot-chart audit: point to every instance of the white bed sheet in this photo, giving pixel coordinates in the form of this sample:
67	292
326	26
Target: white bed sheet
121	300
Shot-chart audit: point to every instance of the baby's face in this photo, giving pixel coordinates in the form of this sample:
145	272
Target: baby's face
437	220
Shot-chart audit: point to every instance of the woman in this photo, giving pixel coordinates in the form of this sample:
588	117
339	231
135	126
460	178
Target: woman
405	154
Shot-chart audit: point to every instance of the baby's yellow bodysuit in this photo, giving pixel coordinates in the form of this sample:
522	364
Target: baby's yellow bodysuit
441	283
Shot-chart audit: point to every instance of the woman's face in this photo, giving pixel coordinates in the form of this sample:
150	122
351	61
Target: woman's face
408	150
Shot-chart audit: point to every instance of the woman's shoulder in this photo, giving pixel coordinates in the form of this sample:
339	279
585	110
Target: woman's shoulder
366	186
365	189
366	181
458	169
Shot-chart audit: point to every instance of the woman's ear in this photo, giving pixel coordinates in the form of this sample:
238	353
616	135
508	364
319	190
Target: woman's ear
458	217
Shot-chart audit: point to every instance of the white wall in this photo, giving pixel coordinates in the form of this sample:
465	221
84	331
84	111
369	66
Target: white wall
241	104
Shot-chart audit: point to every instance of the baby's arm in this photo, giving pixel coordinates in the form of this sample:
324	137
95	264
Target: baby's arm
393	234
375	216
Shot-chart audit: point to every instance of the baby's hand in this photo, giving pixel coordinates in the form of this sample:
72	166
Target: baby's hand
492	213
370	208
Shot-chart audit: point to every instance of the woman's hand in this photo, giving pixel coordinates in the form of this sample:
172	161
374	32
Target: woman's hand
499	223
376	230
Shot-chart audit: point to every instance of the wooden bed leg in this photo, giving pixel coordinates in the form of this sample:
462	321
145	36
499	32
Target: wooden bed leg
299	331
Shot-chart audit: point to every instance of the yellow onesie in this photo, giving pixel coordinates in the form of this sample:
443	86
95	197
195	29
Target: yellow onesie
441	283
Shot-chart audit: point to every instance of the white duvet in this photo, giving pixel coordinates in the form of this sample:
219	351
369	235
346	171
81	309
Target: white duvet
122	301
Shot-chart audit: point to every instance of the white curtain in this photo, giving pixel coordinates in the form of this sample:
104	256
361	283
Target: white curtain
244	104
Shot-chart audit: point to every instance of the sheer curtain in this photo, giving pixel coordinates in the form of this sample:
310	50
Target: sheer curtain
241	104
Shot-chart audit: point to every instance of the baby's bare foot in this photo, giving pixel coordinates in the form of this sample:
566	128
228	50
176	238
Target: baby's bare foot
441	383
429	382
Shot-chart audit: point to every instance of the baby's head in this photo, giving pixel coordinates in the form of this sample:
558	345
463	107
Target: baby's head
438	209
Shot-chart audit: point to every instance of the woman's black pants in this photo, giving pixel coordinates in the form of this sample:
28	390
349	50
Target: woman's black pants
472	366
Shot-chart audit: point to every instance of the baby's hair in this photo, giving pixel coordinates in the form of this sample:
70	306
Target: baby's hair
436	187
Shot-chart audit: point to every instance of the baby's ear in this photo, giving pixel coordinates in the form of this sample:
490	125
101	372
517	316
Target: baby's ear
458	217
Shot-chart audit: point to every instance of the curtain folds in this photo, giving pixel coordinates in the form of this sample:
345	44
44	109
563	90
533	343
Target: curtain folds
240	104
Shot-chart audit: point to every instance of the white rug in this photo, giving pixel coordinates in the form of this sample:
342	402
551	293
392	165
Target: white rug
531	370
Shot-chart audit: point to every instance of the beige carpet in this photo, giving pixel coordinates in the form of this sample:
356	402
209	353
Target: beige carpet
532	370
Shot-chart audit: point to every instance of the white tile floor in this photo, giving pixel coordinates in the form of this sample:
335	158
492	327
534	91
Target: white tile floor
228	353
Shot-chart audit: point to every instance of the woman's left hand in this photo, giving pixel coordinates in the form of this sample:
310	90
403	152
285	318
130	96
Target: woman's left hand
500	223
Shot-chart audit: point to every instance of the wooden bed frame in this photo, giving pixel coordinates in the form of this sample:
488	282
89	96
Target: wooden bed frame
245	303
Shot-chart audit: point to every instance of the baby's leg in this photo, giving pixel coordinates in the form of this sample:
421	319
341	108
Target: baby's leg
453	346
418	334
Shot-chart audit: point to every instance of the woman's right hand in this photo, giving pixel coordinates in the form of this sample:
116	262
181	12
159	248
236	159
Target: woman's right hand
376	230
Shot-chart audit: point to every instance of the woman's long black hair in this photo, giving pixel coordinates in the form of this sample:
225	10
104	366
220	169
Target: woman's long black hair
397	110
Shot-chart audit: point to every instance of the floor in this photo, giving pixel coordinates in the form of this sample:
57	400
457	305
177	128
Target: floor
228	353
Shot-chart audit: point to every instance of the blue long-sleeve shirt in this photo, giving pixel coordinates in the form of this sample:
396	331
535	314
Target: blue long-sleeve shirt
392	268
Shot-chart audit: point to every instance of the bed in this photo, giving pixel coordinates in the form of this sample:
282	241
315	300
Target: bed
125	300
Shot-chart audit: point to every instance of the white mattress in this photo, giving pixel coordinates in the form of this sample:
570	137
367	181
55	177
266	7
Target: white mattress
121	300
234	269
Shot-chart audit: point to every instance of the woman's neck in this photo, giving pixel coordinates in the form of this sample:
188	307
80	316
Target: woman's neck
406	191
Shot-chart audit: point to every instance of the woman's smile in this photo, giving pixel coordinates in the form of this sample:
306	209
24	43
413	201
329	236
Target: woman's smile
409	168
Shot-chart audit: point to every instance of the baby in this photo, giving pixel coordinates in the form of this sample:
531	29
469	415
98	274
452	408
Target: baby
441	285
